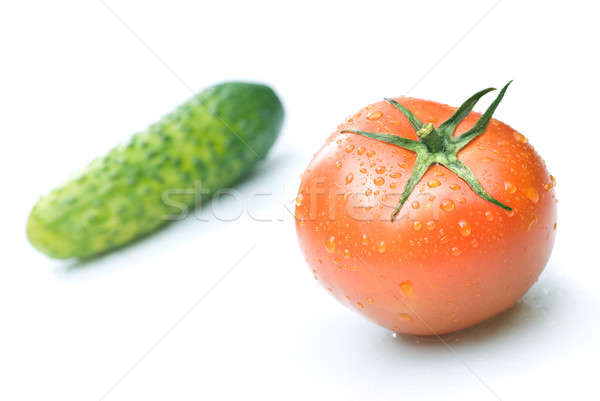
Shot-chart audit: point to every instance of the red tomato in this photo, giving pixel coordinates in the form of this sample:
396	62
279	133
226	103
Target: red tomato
450	258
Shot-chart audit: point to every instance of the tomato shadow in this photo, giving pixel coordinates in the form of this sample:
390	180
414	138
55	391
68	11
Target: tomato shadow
514	343
273	169
538	311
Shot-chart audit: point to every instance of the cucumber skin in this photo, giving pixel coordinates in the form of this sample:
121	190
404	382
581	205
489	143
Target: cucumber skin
120	197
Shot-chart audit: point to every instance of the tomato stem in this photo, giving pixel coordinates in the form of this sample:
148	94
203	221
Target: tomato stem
437	146
431	138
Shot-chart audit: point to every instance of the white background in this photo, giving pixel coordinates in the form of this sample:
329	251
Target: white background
77	78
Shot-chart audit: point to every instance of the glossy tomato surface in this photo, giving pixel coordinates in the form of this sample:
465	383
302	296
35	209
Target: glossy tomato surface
450	259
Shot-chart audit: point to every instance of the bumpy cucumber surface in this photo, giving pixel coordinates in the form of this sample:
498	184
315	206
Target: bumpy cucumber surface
206	144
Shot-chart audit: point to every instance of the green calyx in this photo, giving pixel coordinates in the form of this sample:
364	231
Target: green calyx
439	146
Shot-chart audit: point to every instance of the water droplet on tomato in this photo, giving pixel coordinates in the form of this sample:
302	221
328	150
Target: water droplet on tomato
464	228
360	150
349	178
433	183
520	137
532	194
416	205
430	225
379	181
365	239
376	115
330	244
349	148
406	287
406	317
368	191
299	199
489	215
370	300
381	247
474	243
347	253
531	222
370	153
360	305
510	187
454	187
447	205
338	164
455	251
363	170
380	170
417	225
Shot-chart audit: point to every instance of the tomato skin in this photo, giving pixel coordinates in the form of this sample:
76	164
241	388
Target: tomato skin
450	259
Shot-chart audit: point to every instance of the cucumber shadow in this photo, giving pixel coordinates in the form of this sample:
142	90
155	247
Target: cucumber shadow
281	166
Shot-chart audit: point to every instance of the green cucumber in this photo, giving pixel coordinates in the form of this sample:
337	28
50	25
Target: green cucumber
206	144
